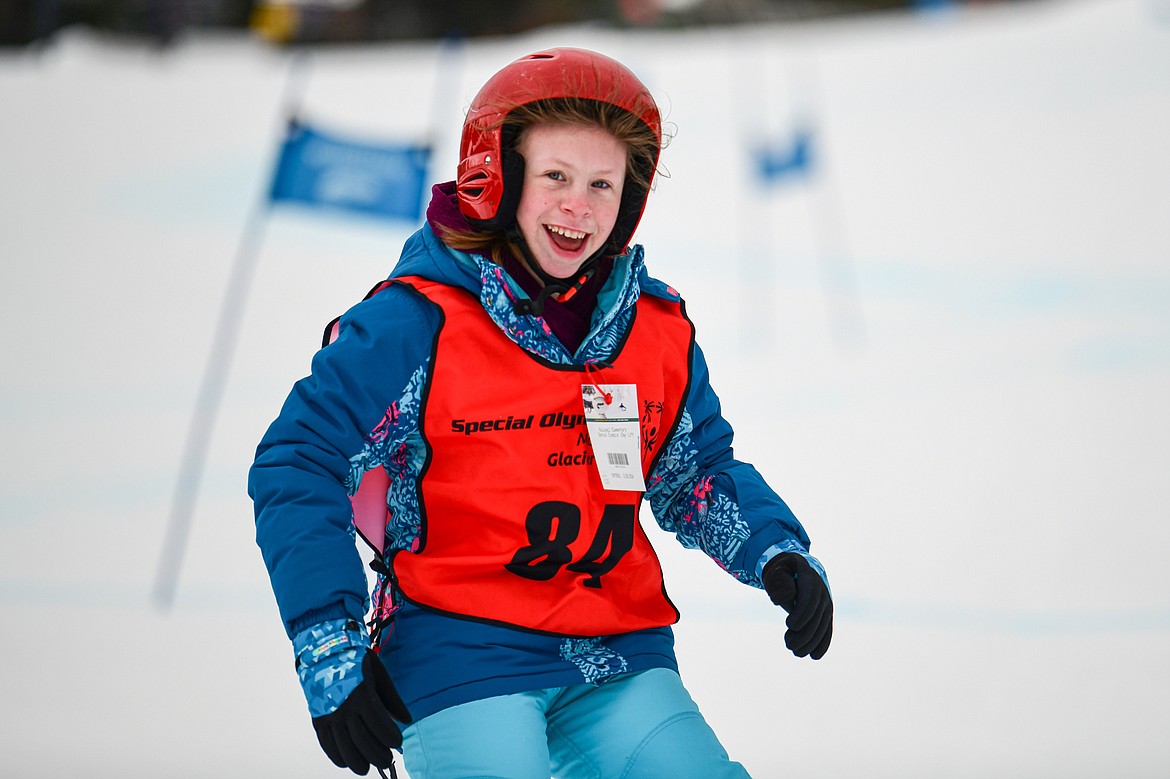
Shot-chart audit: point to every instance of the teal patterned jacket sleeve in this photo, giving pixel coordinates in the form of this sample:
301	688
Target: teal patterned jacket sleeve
709	500
329	662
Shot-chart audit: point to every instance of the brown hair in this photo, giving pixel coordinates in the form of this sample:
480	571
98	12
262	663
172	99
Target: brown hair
642	147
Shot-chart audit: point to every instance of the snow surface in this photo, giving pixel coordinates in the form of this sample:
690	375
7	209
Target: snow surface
948	348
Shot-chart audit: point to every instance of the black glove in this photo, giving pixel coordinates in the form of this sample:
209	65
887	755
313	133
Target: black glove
363	732
793	585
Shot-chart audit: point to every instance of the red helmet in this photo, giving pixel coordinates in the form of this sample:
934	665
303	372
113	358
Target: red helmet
490	173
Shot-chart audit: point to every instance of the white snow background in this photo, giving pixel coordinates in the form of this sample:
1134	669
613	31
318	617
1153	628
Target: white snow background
948	348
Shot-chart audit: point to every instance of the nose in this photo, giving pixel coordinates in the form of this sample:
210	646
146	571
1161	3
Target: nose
576	201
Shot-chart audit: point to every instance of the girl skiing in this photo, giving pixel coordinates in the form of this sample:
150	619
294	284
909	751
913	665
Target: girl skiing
509	396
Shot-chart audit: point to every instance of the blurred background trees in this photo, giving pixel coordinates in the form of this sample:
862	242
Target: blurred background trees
24	22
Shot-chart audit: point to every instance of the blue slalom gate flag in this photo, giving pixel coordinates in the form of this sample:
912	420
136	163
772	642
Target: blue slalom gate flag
790	158
322	170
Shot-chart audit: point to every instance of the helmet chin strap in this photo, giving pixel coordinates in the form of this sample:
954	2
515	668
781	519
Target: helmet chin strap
560	290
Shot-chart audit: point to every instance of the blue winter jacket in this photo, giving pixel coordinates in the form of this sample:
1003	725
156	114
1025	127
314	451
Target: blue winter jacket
358	410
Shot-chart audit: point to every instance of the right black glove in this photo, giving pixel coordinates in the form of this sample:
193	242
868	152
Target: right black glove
363	731
351	699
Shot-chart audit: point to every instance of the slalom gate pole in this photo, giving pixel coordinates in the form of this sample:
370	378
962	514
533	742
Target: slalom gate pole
215	375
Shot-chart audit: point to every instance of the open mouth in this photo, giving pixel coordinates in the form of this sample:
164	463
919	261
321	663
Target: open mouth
565	239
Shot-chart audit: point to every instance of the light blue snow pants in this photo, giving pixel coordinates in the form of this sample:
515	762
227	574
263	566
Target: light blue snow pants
638	726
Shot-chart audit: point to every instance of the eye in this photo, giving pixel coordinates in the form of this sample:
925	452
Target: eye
602	184
555	175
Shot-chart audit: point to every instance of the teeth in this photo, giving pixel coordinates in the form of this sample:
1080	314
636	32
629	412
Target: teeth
571	234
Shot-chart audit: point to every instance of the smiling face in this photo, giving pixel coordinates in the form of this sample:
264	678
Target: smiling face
573	177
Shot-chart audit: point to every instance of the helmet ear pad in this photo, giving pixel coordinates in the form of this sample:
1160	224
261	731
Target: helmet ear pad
632	204
512	167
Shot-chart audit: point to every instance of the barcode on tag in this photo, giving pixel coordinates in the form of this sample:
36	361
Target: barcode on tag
615	434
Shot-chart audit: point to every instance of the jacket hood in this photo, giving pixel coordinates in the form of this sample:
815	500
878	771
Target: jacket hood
425	255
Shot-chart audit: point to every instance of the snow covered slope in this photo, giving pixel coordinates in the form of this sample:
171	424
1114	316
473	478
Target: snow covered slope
947	346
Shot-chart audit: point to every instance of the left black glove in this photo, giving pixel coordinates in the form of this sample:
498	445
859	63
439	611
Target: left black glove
794	586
